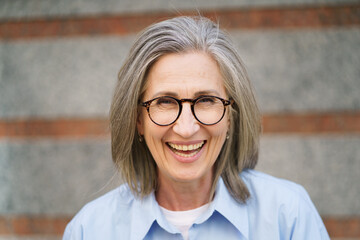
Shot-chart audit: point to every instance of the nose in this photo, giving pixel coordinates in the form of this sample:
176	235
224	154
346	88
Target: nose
186	125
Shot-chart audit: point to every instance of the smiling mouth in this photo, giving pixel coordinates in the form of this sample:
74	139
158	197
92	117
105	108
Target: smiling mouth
186	150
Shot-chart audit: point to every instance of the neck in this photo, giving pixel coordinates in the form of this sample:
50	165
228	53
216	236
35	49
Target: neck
182	196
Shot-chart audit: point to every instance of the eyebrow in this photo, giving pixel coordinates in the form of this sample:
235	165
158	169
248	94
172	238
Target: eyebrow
197	94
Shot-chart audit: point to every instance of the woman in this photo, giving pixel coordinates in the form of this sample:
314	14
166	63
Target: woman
185	135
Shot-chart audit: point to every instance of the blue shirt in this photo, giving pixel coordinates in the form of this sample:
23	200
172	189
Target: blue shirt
277	209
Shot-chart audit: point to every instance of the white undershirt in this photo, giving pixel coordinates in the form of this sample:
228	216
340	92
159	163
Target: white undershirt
183	220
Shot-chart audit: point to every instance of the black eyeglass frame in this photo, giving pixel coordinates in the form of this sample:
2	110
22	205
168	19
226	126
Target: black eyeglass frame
192	103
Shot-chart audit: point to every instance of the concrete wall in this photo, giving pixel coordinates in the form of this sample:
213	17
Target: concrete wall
294	70
35	8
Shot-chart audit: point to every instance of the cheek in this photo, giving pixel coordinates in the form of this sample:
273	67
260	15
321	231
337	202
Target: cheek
154	136
218	137
151	130
222	127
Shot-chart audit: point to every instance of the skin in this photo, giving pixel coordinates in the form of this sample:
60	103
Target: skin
184	182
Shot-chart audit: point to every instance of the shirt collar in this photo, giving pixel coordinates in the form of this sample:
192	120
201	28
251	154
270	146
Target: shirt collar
148	210
236	213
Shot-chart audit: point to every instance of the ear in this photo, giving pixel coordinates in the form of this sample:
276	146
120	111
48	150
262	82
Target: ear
140	123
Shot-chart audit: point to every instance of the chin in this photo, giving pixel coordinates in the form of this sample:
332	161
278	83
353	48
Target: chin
189	176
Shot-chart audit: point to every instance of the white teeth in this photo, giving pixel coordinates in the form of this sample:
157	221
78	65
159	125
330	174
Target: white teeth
187	147
191	147
186	155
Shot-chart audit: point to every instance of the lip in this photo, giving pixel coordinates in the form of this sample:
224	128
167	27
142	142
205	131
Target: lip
187	143
187	159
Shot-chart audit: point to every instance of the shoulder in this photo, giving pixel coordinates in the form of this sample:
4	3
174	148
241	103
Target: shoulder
118	198
270	191
101	212
266	184
284	202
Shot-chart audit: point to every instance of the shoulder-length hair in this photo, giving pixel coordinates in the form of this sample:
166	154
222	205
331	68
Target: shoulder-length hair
178	35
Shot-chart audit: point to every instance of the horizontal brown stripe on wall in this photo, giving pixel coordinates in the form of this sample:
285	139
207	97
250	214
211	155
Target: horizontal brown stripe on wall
302	123
339	227
343	123
32	225
56	128
343	227
250	18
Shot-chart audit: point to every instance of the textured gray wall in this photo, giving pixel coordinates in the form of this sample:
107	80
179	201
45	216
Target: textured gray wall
302	70
35	8
327	166
78	75
53	177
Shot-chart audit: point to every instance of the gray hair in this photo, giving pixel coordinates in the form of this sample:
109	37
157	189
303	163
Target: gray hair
178	35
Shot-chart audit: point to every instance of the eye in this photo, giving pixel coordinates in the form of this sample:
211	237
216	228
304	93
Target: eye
207	99
165	101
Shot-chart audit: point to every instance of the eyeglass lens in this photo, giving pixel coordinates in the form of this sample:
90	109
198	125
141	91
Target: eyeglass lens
165	110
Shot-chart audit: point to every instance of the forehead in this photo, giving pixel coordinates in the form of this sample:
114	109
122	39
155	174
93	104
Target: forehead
184	75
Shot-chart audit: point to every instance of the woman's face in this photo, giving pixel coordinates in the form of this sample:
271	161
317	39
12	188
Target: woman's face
185	75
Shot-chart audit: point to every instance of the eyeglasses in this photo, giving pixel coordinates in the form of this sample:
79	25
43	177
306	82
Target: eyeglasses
165	110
